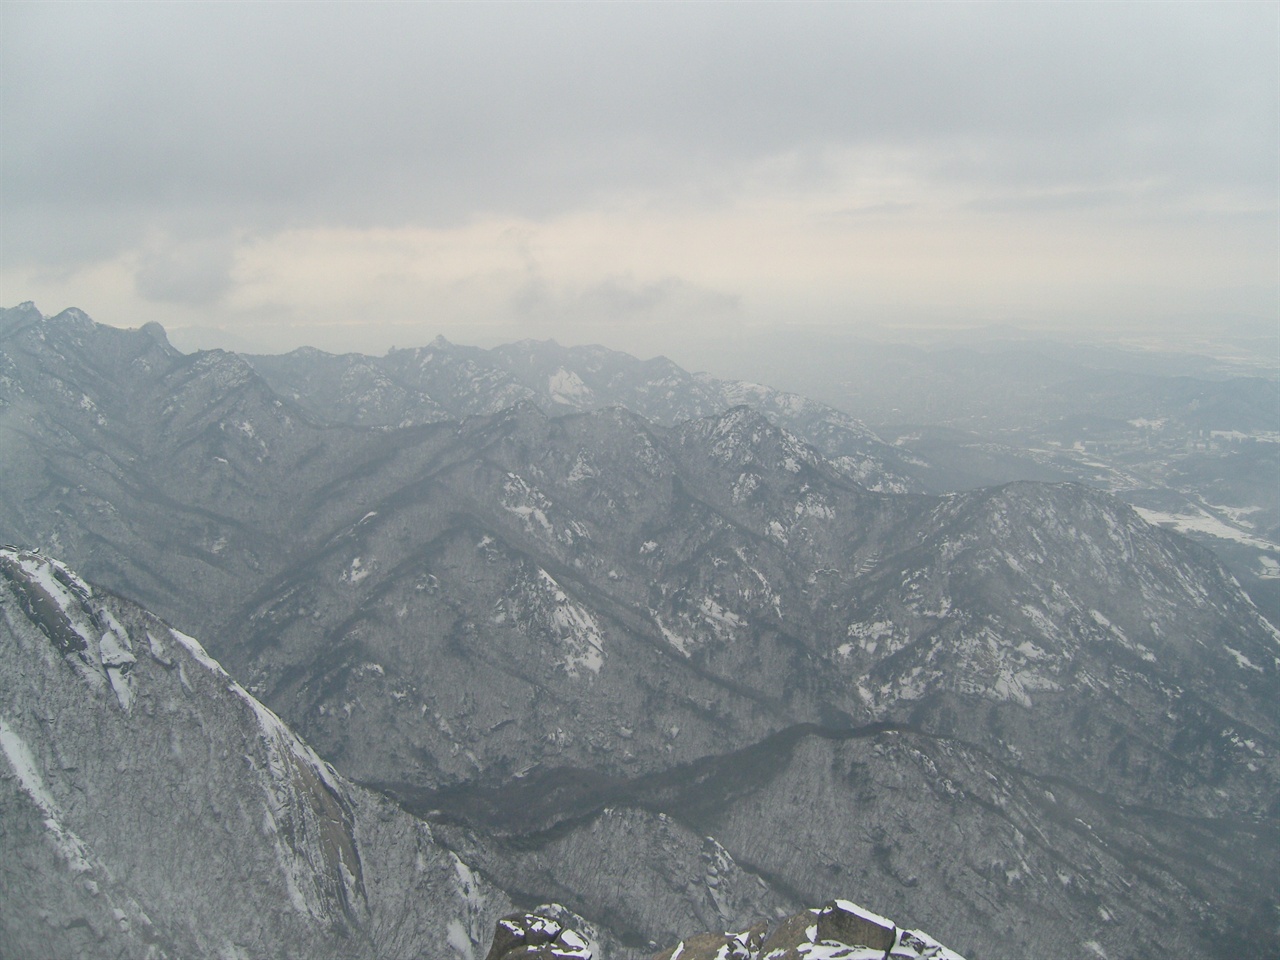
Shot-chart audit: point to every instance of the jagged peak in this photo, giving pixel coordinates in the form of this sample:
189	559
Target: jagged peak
310	353
745	428
26	314
159	336
1033	497
25	309
736	419
69	326
531	343
74	317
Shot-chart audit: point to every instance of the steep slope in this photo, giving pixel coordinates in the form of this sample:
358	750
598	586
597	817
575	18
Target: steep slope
152	807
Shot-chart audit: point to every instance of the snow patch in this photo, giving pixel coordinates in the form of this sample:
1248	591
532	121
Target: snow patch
527	503
73	851
680	643
116	654
25	768
356	572
567	387
864	914
576	627
814	506
581	470
459	941
1242	661
1205	524
197	652
718	616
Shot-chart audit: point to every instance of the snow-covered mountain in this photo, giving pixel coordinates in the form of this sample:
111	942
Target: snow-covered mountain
447	381
154	808
676	674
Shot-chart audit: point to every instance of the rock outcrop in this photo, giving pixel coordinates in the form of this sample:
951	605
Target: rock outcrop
529	935
840	930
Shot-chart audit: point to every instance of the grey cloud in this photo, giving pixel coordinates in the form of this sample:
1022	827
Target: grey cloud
267	115
1047	201
889	208
623	299
192	272
620	308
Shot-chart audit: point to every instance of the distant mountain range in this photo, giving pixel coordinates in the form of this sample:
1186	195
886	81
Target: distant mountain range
674	652
445	381
1198	453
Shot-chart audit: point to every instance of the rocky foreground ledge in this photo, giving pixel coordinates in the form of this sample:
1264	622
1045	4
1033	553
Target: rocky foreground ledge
841	930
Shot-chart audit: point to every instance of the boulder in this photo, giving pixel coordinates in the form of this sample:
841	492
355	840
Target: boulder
527	936
839	929
845	922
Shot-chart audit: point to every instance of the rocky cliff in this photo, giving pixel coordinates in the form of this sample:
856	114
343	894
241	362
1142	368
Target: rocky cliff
151	807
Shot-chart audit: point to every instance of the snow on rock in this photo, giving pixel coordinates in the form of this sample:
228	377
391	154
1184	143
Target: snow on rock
683	644
567	387
573	626
528	503
465	933
1244	662
25	768
168	805
840	930
80	626
70	848
357	571
538	935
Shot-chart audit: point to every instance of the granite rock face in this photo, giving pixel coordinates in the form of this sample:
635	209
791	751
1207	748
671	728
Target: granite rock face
151	807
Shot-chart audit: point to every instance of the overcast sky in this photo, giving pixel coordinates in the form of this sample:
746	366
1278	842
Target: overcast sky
357	175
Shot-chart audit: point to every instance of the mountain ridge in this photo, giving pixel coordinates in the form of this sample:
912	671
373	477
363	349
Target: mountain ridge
593	599
262	852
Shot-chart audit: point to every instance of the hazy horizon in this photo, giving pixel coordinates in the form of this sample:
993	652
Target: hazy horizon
659	179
